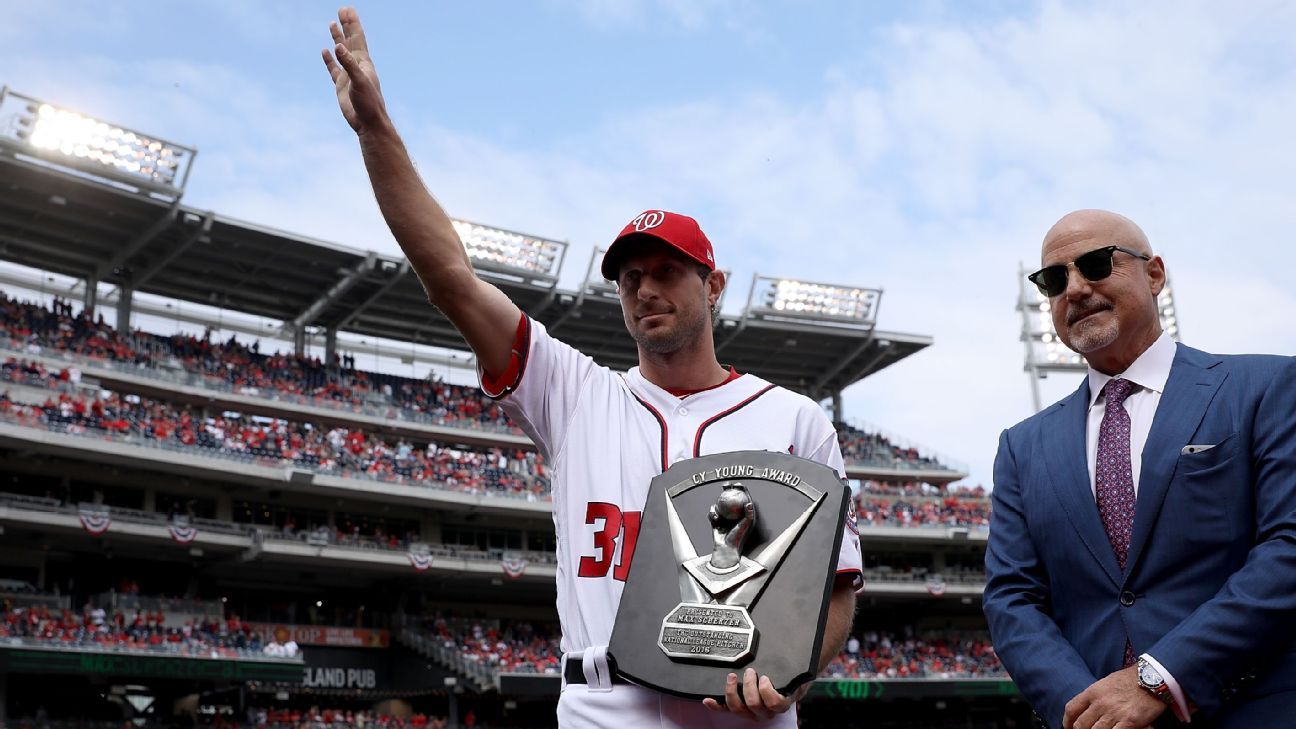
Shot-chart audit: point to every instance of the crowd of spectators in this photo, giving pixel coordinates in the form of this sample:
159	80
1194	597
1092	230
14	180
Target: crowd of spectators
262	718
507	647
330	718
335	451
945	654
352	535
859	446
947	511
95	628
357	454
498	645
523	647
920	489
242	368
351	452
239	367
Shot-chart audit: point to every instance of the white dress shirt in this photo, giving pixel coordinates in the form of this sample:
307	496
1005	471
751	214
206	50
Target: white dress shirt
1149	372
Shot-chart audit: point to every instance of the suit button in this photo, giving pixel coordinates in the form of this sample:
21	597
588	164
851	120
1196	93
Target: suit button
1127	598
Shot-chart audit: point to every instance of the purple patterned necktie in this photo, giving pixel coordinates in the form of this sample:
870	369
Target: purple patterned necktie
1114	477
1113	473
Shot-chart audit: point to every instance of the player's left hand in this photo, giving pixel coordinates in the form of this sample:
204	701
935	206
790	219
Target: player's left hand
354	77
1111	702
762	700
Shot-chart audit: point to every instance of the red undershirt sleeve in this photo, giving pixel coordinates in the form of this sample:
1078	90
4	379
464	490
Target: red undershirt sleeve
507	381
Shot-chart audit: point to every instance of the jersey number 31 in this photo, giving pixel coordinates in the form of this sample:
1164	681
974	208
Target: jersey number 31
617	524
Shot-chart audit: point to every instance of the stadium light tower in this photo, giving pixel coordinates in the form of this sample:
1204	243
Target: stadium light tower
785	298
1045	352
817	304
31	129
504	251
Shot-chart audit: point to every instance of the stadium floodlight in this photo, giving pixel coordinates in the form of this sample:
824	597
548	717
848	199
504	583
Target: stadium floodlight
69	139
1166	308
785	297
1045	351
509	251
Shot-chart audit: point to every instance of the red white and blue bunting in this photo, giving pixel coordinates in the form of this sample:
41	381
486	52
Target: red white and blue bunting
95	521
514	567
936	588
182	533
421	561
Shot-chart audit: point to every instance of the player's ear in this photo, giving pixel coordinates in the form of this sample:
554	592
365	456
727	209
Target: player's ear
715	286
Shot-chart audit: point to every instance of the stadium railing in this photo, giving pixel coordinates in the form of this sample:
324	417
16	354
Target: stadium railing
432	647
182	650
255	532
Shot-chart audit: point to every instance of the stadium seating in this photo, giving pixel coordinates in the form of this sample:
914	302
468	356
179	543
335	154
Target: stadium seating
949	654
353	453
504	646
948	511
234	366
500	646
858	446
150	632
337	718
330	533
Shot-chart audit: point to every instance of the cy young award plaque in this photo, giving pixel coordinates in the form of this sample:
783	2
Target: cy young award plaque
734	568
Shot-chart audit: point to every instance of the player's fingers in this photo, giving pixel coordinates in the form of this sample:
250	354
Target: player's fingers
771	698
351	64
354	31
713	705
335	30
752	694
733	702
333	68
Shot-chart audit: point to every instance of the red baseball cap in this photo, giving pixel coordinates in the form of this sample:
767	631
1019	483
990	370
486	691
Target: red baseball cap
678	231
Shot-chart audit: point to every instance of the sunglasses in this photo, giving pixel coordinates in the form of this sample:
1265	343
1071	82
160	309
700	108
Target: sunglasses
1095	265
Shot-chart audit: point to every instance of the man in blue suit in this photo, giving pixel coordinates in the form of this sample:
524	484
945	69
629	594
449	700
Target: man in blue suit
1142	556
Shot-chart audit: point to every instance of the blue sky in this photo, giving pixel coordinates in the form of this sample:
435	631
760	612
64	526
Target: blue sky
921	147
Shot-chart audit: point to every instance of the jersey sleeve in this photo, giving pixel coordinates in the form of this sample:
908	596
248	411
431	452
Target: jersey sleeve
542	386
850	565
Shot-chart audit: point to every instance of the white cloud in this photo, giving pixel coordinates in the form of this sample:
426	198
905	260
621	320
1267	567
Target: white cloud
936	181
929	164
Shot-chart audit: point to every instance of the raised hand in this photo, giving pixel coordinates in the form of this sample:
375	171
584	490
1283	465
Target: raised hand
354	77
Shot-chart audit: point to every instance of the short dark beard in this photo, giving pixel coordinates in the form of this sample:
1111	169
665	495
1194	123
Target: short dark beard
686	331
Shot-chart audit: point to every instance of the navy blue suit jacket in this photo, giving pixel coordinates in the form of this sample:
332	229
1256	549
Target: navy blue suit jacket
1209	589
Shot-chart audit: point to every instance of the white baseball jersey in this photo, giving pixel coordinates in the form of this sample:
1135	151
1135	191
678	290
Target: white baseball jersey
605	437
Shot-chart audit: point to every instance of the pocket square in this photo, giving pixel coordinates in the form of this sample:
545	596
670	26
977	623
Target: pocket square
1189	449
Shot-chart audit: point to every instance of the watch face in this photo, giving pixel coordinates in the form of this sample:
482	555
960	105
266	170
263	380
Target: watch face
1148	675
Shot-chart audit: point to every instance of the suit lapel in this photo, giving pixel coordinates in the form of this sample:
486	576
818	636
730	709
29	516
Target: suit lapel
1064	452
1192	385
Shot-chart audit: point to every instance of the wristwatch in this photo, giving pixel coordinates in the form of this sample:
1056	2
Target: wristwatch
1150	680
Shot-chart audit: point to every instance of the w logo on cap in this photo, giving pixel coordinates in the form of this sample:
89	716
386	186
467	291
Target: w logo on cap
677	231
648	220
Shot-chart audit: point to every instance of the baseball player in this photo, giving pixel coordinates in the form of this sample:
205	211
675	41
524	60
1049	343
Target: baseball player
605	434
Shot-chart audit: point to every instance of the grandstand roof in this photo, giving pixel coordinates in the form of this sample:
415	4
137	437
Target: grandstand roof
63	223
